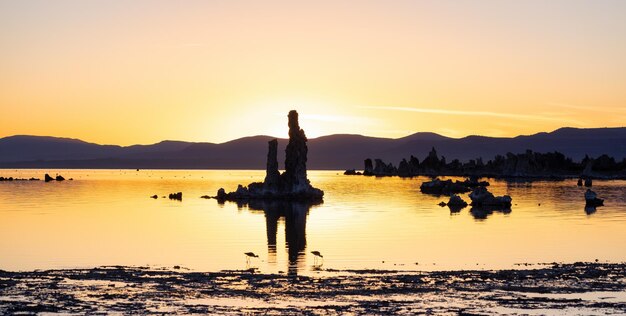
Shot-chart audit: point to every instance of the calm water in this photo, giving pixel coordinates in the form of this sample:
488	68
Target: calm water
106	217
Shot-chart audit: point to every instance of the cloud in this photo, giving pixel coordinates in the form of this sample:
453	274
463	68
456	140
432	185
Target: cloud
588	108
469	113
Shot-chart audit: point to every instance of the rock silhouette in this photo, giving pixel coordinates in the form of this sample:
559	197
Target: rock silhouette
293	184
176	196
17	179
445	187
481	197
272	176
592	199
525	165
48	178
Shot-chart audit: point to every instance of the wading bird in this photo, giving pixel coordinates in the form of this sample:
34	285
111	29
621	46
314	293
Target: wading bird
250	255
317	254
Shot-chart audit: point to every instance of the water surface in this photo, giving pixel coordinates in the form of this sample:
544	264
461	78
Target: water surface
106	217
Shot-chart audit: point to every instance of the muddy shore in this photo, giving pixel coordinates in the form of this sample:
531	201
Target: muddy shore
587	288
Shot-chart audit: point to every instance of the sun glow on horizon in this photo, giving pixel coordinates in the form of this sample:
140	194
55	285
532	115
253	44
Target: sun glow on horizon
140	72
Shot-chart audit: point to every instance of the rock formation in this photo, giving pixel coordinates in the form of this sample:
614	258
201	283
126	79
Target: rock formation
176	196
294	177
528	165
17	179
483	198
369	167
48	178
456	200
445	187
456	203
352	172
272	175
592	199
293	184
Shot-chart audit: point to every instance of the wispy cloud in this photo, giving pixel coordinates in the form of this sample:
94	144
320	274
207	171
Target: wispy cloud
469	113
588	108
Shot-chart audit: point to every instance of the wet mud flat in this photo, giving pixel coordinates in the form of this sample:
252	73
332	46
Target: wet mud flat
579	288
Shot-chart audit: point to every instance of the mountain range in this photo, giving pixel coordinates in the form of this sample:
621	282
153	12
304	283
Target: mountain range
339	152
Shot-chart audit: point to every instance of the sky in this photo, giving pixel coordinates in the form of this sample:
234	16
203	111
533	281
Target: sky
138	72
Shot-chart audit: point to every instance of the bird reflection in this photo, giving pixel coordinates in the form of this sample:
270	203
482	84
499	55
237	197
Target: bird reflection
295	216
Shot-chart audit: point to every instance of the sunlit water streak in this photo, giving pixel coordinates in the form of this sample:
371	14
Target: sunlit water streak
106	217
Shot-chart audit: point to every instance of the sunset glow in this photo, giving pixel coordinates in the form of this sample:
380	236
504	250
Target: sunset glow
122	72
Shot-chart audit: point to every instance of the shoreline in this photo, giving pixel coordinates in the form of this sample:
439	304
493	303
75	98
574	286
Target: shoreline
584	287
512	178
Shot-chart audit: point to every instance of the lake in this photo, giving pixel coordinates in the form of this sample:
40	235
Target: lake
106	217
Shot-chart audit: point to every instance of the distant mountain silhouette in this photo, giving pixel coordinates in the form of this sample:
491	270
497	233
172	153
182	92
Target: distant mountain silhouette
327	152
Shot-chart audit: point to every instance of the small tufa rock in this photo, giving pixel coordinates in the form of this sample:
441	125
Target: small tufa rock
456	203
48	178
352	172
176	196
221	195
155	196
439	187
482	197
592	199
456	200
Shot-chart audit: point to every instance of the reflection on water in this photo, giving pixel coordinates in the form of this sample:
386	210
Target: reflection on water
481	213
107	217
294	215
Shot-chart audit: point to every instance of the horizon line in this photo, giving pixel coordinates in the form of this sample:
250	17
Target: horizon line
329	135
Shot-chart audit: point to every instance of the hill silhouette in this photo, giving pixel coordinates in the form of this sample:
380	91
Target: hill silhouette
341	151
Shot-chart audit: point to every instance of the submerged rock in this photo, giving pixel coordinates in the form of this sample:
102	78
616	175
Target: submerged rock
293	184
592	199
482	197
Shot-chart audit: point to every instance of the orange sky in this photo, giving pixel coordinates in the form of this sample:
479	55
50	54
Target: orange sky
127	72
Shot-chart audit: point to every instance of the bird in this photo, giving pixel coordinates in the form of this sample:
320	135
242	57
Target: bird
250	255
317	254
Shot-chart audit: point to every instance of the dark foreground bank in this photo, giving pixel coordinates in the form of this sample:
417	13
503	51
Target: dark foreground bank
583	288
